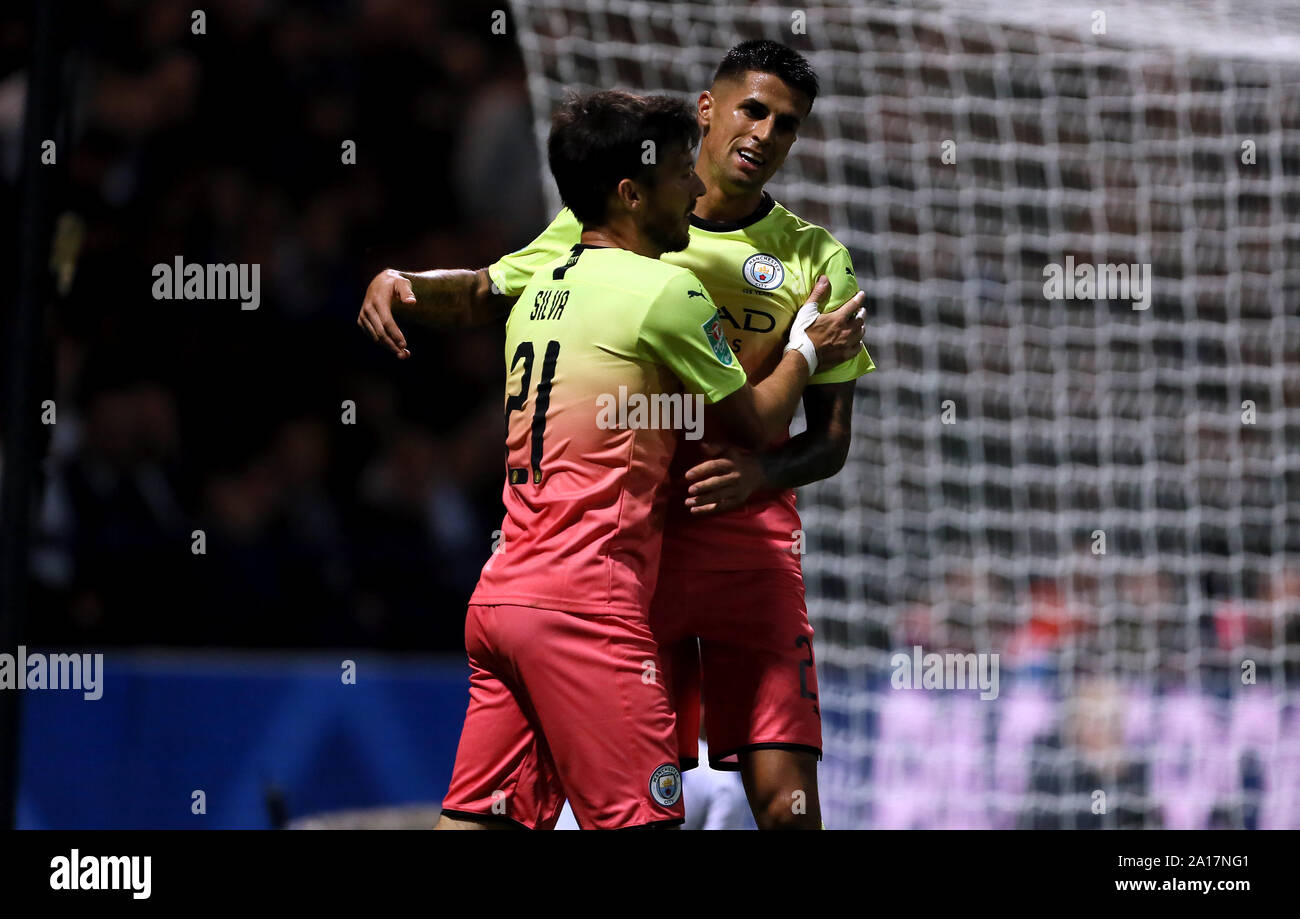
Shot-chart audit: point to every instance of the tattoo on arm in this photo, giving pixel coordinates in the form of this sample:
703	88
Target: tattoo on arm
454	297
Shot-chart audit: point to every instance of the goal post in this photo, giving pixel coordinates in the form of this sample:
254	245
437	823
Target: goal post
1078	465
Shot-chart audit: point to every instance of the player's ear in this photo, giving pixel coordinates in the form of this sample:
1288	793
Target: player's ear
704	108
628	194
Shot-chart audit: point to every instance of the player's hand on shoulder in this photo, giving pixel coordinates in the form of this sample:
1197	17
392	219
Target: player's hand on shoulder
376	317
812	307
837	334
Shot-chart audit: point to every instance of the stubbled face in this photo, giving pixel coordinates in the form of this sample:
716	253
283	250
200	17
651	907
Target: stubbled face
665	217
749	123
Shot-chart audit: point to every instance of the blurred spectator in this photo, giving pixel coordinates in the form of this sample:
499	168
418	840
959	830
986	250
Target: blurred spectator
1085	769
184	416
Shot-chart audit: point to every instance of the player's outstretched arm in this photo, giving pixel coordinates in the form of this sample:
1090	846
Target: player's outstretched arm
451	297
456	297
754	416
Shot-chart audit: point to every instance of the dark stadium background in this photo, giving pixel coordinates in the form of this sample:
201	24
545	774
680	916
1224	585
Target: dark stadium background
175	416
181	415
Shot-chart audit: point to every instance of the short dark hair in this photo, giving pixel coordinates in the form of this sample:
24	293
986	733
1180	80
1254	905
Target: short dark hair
774	58
597	141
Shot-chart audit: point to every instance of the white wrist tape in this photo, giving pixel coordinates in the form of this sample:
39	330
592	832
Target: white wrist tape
799	340
804	346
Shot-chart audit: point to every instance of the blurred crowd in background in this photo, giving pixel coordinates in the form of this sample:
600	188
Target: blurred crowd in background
324	525
177	416
1149	622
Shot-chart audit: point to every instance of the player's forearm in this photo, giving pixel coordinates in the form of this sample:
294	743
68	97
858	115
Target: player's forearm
452	297
820	451
776	398
753	416
803	459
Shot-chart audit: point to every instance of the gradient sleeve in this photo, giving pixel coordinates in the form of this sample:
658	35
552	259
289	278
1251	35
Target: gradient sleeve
512	272
838	268
683	331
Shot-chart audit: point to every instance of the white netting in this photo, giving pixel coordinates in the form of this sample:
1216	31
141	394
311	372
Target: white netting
1005	435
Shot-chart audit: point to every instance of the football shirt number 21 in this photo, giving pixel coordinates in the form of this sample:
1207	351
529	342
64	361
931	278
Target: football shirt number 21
540	404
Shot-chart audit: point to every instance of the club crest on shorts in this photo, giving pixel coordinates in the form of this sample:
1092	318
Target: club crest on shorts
763	271
666	785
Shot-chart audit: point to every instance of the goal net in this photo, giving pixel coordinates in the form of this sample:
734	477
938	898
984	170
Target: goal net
1079	228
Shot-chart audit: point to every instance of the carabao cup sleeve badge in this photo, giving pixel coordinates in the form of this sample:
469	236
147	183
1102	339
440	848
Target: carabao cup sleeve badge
717	341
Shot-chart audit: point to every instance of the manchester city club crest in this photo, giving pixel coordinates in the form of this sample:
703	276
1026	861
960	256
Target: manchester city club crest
666	785
763	271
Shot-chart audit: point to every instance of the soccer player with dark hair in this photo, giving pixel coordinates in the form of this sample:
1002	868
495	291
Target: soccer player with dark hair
557	629
729	612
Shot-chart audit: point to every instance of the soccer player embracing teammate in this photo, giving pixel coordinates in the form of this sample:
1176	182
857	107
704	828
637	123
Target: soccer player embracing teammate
728	613
557	629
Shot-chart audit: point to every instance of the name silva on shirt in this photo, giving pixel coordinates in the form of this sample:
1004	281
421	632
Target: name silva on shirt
549	304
